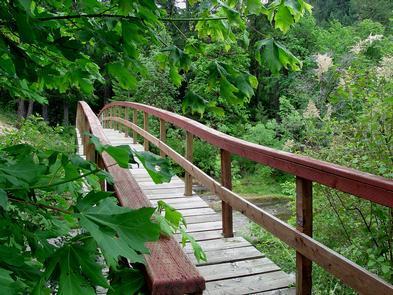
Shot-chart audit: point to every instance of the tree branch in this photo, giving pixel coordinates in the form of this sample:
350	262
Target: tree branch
40	205
105	15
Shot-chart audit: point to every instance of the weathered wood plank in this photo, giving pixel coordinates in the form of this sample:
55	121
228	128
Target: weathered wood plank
250	284
220	244
202	218
203	235
237	269
196	211
204	226
228	255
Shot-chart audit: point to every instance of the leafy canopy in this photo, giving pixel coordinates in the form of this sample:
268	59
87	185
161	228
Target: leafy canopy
65	45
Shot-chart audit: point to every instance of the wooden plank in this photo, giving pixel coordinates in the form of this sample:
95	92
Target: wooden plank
283	291
220	244
203	218
250	284
203	235
228	255
181	206
191	201
164	196
237	269
152	191
196	211
303	224
214	225
163	186
226	181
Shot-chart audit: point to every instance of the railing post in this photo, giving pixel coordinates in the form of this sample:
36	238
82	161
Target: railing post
226	181
126	118
303	224
146	128
162	135
110	124
187	176
135	121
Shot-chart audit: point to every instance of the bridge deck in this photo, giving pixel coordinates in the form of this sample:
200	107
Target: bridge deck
233	265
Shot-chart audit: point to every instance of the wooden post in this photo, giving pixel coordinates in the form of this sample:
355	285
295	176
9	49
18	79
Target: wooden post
110	126
187	176
226	181
135	121
126	118
304	225
146	128
162	135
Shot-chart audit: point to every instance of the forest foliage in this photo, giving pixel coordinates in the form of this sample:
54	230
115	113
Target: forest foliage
309	78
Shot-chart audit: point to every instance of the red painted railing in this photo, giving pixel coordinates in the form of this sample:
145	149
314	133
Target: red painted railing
307	170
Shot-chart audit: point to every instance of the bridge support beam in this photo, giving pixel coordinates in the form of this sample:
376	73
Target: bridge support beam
226	181
304	225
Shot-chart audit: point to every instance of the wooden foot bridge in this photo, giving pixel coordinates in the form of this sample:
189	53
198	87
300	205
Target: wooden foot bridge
233	265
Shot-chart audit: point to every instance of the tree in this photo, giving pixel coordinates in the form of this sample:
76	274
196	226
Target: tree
68	45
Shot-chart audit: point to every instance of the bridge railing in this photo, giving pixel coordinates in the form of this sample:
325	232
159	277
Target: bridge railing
376	189
167	267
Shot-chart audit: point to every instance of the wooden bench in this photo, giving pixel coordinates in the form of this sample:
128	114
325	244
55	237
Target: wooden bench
168	269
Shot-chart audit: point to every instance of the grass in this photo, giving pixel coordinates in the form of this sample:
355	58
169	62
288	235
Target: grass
258	186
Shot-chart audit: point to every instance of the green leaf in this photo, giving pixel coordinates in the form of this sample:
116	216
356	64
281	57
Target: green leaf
158	167
3	199
125	78
91	199
254	6
195	102
7	284
199	254
126	281
121	154
120	231
275	56
283	19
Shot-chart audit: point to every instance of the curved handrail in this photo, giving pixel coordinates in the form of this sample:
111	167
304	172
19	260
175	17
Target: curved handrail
367	186
299	238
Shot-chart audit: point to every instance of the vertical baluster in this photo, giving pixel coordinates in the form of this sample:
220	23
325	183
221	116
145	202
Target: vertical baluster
187	176
110	115
116	115
126	118
304	225
135	121
146	128
226	181
162	135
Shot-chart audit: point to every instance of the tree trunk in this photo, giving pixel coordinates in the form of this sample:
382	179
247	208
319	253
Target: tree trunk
30	108
45	112
66	120
21	108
